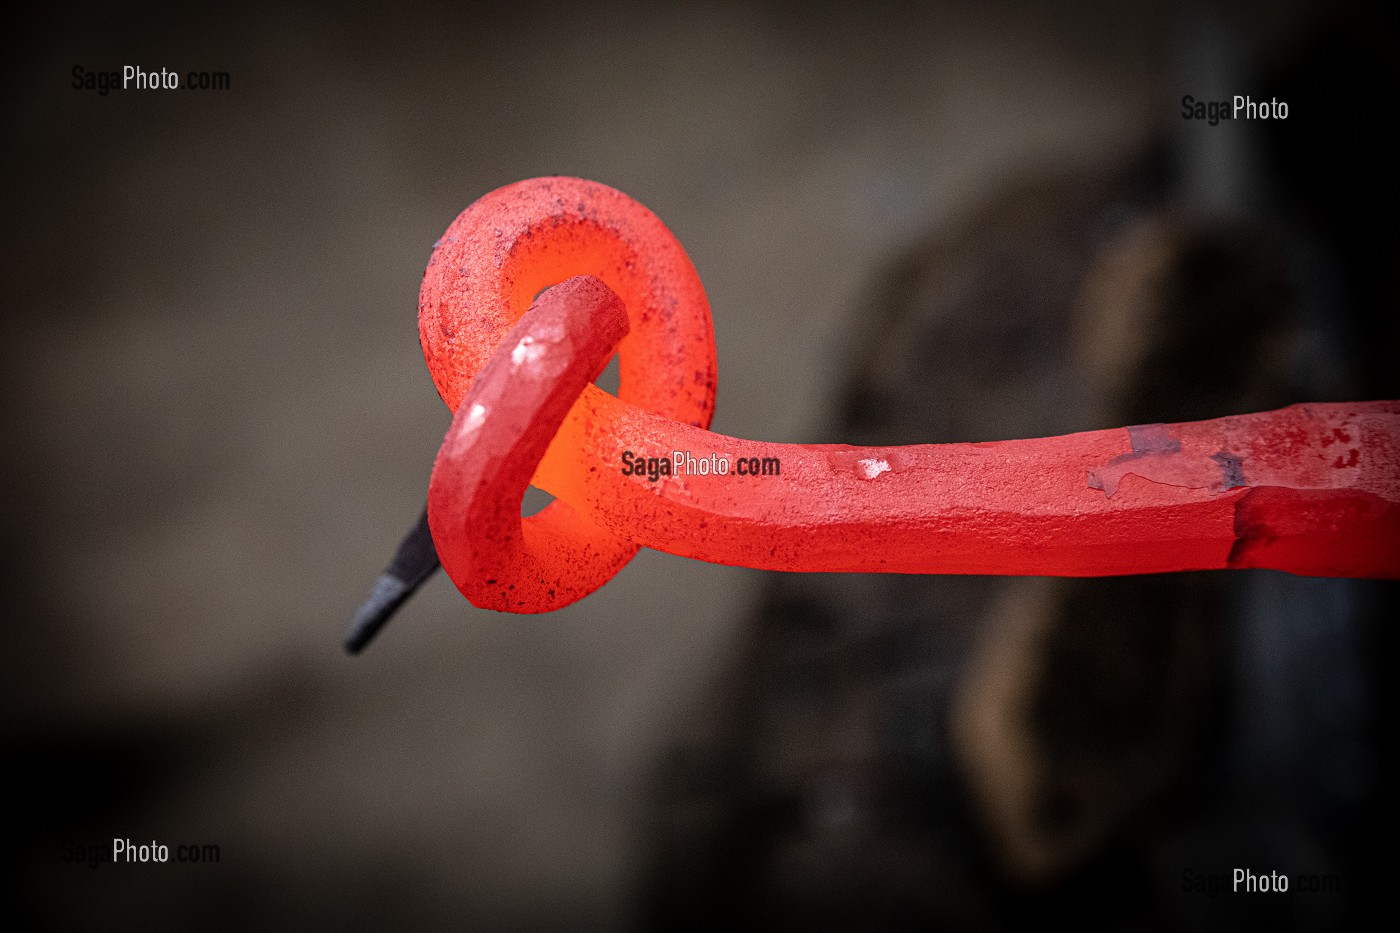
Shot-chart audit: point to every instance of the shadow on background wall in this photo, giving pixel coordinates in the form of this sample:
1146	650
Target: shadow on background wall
914	225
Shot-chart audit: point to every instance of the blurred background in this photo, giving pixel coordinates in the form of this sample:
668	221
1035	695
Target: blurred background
914	223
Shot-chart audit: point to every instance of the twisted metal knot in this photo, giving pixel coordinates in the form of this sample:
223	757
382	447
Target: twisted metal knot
1310	489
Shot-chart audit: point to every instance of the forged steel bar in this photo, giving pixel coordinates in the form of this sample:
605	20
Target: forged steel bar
1309	489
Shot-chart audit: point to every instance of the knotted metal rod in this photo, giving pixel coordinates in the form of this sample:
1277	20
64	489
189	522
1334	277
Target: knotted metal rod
1310	489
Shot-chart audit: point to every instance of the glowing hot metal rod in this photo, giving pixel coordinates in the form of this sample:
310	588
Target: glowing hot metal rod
1309	489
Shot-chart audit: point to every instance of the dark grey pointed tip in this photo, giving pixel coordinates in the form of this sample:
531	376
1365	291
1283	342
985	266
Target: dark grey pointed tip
414	562
388	594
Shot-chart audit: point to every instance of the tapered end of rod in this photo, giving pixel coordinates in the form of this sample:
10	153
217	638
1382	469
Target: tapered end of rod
414	562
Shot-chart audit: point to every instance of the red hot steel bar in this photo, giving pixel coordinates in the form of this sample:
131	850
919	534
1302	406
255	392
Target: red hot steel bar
1309	489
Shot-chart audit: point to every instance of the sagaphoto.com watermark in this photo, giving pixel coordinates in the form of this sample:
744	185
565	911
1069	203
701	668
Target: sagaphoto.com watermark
1245	881
136	78
684	463
126	852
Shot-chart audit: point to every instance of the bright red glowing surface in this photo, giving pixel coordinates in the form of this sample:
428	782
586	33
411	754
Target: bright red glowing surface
1311	489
